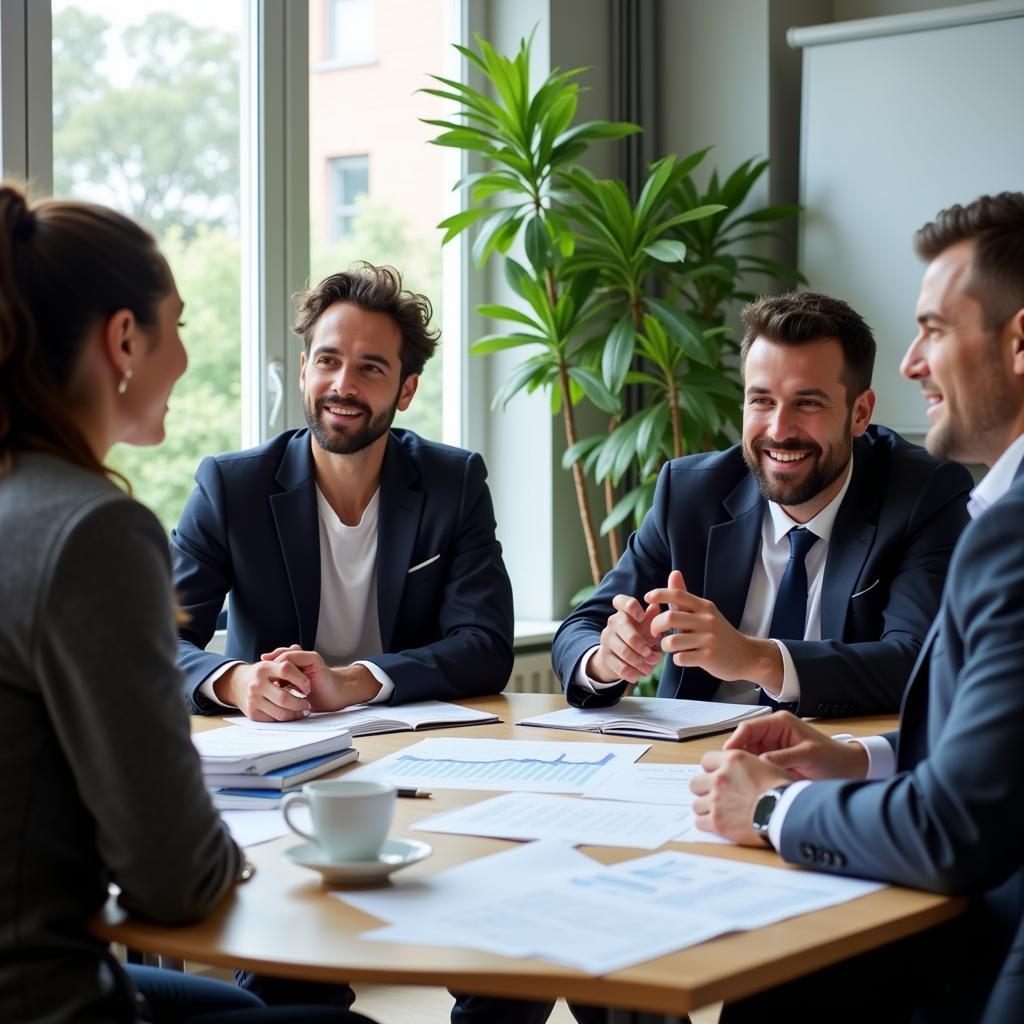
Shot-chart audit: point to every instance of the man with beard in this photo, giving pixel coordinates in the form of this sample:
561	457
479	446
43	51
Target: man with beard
800	568
933	805
360	561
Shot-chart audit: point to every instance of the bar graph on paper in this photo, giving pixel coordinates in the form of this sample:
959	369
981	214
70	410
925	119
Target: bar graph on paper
503	765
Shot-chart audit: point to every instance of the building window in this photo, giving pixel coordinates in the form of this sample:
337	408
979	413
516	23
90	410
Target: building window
350	179
350	32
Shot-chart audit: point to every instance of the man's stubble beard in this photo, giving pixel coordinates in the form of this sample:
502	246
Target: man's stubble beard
337	444
829	466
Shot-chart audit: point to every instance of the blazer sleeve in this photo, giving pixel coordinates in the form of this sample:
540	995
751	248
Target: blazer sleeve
473	654
950	823
868	676
202	580
644	565
105	650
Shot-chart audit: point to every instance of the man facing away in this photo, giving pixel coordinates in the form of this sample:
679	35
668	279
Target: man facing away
360	561
801	567
936	805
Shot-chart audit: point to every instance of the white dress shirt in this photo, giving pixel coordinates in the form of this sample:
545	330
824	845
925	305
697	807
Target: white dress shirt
881	756
765	579
347	628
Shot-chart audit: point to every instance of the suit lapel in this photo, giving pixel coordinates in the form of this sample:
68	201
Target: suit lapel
298	531
401	504
732	548
852	535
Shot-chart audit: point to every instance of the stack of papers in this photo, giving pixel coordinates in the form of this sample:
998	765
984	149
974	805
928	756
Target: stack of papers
557	905
250	768
658	718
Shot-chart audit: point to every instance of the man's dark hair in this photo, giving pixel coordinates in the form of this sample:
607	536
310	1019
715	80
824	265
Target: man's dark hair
799	318
379	290
995	224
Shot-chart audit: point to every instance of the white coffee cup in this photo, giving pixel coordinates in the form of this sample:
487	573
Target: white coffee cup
350	818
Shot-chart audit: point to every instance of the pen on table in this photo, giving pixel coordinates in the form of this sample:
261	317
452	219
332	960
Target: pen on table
414	794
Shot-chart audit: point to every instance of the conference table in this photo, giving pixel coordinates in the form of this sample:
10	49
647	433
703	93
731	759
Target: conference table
283	923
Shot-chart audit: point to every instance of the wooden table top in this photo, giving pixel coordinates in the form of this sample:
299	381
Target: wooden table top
282	922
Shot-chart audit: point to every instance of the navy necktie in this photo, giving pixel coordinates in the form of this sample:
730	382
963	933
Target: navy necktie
789	620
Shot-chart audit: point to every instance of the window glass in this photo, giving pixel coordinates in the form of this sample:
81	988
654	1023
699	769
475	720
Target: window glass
146	119
382	205
350	179
350	31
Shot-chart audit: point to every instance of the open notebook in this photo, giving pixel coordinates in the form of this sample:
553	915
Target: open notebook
659	718
367	719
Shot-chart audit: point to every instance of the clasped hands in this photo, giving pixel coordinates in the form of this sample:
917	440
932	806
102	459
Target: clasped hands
692	630
288	683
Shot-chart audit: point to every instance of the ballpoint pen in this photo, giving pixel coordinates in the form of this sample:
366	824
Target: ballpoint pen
415	794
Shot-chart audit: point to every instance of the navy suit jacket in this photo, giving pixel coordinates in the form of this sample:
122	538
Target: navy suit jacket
887	560
950	819
250	530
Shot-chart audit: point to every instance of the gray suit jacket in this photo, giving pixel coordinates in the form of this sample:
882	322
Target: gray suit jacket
101	781
950	819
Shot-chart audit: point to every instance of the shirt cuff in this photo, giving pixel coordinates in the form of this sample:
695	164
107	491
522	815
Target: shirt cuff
582	680
790	692
387	687
881	756
782	809
206	686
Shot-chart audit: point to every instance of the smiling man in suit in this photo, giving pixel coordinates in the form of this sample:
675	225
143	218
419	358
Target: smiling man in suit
359	561
937	805
802	567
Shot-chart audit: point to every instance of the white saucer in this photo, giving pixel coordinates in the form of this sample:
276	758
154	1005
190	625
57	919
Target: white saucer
395	854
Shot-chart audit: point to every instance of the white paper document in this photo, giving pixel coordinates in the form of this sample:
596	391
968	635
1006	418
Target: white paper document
468	886
644	783
250	828
508	765
606	919
367	719
564	818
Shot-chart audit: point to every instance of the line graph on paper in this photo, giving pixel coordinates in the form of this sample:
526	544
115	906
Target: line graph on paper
503	765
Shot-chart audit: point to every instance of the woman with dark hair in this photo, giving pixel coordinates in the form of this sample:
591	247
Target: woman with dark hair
102	783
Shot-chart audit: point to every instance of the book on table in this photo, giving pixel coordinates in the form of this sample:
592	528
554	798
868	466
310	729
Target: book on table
370	719
256	752
659	718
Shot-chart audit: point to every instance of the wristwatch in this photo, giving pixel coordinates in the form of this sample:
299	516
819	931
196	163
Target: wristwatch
763	811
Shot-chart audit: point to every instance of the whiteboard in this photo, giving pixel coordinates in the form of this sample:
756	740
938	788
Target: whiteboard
896	125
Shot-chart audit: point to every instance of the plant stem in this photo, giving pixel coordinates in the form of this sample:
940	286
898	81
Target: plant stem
614	547
582	499
673	408
569	421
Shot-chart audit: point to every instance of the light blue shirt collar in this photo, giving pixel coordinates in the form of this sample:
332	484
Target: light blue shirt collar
997	480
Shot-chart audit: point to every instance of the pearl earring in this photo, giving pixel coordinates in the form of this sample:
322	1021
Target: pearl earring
122	386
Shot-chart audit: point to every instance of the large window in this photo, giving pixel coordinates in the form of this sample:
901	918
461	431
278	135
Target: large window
382	206
146	119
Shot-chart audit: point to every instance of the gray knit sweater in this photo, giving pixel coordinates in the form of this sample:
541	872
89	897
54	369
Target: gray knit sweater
99	780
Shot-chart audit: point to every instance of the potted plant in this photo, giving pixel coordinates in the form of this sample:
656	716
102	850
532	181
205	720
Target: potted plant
615	293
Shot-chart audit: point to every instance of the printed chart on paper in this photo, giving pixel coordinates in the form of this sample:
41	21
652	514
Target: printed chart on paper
505	765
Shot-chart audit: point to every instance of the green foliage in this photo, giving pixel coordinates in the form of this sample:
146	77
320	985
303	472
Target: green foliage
613	292
205	407
161	147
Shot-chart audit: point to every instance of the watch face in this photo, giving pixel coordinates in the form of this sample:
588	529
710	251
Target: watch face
763	811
